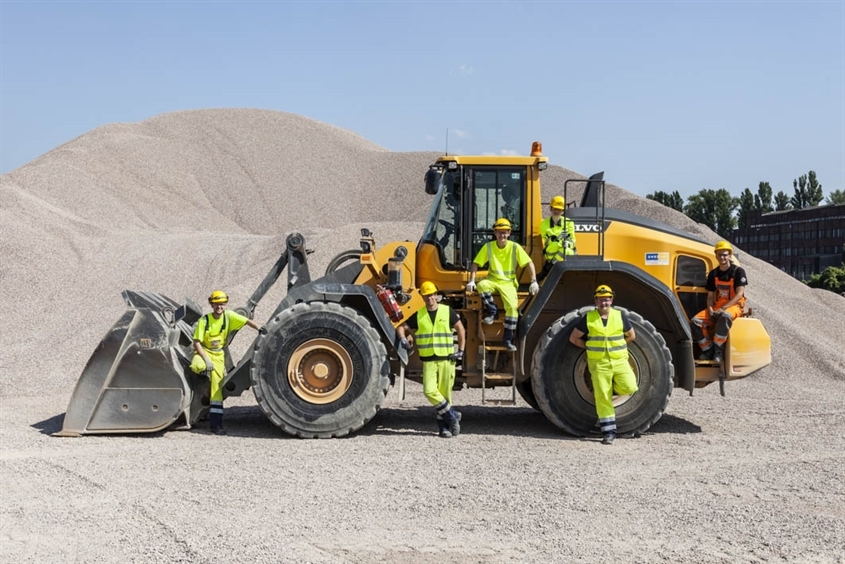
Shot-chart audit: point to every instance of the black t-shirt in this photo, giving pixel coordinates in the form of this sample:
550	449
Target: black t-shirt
737	273
626	323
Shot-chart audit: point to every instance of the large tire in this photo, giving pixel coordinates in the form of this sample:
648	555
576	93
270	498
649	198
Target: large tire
320	371
564	391
527	392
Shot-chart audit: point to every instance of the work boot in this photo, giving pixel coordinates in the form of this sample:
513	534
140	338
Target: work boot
218	431
510	346
608	438
445	434
455	424
706	354
719	355
489	318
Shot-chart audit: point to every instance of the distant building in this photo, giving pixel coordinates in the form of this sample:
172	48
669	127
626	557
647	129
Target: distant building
799	242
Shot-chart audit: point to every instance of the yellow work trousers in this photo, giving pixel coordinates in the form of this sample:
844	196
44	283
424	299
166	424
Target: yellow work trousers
506	290
438	377
218	359
610	376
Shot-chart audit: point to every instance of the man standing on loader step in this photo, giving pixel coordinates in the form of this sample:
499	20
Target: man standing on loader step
503	257
210	339
725	301
605	332
433	325
558	234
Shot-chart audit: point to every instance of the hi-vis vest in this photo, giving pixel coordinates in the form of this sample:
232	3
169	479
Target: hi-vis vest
725	290
434	339
608	340
496	258
216	332
558	239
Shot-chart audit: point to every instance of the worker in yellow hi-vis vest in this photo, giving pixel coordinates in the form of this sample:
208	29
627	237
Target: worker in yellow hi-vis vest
503	257
558	235
434	325
605	332
211	336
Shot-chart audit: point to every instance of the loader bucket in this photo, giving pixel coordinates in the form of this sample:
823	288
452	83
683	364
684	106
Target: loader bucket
135	381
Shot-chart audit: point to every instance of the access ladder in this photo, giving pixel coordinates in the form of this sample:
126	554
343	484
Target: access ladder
487	350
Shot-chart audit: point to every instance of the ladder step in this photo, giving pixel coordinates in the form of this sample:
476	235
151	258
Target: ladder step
499	402
498	376
496	348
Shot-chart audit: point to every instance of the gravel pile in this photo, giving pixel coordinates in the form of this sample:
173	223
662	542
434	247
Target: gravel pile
188	201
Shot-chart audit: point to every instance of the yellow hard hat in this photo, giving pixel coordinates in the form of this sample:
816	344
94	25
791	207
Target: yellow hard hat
558	203
218	297
723	246
603	291
428	288
502	224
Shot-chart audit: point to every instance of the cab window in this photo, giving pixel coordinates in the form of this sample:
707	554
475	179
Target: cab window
690	278
498	192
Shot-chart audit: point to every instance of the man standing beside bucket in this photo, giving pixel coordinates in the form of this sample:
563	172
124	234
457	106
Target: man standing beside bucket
211	336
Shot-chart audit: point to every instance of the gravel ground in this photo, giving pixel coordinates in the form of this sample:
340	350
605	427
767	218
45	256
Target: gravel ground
191	198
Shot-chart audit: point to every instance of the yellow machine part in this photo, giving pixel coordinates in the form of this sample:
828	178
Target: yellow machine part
375	273
754	354
757	347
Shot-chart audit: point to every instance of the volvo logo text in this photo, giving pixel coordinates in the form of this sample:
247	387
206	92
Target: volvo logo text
587	228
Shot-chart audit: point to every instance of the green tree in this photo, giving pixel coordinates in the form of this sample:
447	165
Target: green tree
715	209
746	204
782	202
808	191
836	197
763	199
673	200
832	278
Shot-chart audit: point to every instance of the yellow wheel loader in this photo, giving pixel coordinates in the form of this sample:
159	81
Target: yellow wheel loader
331	351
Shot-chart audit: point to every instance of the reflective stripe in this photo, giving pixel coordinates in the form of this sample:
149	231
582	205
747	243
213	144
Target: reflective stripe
554	251
496	269
434	338
607	424
606	340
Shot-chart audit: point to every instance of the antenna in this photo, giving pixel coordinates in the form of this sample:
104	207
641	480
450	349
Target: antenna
447	141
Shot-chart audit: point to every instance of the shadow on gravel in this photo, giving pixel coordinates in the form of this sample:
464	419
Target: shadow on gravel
51	425
674	425
54	425
476	420
249	421
246	421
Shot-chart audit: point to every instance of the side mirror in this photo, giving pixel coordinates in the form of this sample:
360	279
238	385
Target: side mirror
432	180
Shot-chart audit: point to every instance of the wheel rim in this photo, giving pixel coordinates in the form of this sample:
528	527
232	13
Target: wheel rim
320	371
584	383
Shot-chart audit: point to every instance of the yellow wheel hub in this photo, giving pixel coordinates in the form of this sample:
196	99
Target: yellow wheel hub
320	371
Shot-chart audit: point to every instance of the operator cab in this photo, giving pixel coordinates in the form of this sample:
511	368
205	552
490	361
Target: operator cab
475	196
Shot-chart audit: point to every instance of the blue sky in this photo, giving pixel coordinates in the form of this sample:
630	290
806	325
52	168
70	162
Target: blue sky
665	95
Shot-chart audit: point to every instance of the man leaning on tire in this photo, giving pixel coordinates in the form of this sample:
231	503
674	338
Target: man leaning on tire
605	333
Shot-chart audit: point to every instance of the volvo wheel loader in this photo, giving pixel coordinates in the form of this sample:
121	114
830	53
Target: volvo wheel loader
331	351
